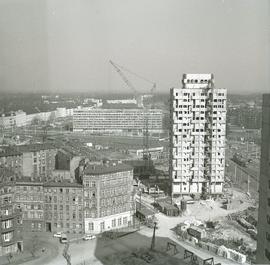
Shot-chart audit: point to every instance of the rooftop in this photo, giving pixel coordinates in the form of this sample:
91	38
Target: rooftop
9	151
6	175
62	184
106	169
28	181
34	147
120	106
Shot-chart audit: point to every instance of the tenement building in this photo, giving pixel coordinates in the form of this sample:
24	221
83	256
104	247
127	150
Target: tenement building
108	197
197	136
38	160
29	197
117	121
63	207
10	216
263	239
11	158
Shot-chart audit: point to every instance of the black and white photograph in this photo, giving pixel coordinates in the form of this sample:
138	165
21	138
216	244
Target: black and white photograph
134	132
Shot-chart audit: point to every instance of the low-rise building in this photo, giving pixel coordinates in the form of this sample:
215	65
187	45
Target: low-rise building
108	197
155	152
10	216
13	119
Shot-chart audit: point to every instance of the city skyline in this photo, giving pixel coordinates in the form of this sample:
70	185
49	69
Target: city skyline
66	47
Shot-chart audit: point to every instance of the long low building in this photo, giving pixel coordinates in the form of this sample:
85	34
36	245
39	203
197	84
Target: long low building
117	121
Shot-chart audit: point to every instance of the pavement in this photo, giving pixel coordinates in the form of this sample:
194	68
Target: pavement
166	224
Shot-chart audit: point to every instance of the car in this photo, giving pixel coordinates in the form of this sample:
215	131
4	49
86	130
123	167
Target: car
63	239
89	237
58	234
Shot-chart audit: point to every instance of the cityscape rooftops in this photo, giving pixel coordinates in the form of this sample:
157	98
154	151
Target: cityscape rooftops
106	169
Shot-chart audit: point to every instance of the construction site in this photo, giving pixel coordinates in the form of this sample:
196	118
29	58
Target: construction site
223	227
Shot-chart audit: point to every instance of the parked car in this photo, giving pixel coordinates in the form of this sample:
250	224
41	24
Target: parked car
58	234
89	237
63	238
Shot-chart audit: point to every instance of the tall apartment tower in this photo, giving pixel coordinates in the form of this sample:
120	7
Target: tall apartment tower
197	136
263	239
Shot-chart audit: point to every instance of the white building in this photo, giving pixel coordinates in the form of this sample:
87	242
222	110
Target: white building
197	136
13	119
122	101
63	112
155	152
117	121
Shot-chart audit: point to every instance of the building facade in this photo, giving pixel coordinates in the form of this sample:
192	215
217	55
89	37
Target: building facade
11	158
263	239
38	160
108	197
13	119
29	197
117	121
63	207
11	217
197	136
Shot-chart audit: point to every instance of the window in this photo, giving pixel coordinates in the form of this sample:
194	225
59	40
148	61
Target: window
7	236
102	226
113	223
267	254
119	221
6	224
267	236
125	220
268	219
91	226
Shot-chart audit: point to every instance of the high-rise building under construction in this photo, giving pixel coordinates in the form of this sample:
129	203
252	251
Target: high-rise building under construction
197	136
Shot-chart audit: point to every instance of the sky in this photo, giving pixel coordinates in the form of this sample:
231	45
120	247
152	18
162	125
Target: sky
65	45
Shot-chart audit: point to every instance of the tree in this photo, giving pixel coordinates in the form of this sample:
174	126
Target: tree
36	121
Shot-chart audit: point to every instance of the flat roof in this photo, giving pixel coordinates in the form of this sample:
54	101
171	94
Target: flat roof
106	169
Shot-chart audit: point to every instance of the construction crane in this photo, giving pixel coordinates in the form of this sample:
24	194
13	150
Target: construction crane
128	83
146	153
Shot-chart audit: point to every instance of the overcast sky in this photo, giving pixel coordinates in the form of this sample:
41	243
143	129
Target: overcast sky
66	45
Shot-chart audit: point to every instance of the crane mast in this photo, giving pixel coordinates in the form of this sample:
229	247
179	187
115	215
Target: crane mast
146	153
